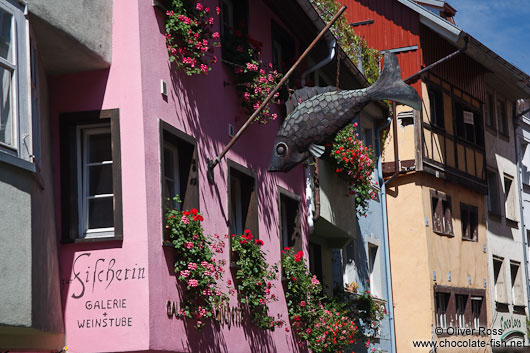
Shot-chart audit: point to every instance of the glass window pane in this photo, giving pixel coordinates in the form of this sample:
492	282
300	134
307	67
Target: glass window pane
6	45
99	148
100	179
168	164
6	114
101	213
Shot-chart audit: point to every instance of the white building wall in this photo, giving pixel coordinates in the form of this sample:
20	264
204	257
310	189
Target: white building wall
504	239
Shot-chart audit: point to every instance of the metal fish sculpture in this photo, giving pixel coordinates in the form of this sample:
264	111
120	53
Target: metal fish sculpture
318	119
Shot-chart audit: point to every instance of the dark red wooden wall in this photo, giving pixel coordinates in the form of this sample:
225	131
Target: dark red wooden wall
395	26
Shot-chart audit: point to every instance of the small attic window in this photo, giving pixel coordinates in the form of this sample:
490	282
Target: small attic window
406	118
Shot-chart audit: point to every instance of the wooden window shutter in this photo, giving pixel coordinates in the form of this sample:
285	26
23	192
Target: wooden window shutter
464	217
437	214
451	310
468	313
483	319
448	218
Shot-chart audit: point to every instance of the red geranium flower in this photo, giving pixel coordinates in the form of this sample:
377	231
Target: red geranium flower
194	211
259	242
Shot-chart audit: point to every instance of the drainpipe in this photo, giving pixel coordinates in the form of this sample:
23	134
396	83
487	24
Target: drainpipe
388	272
521	204
332	51
397	162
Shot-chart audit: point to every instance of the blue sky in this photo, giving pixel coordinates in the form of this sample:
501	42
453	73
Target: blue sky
501	25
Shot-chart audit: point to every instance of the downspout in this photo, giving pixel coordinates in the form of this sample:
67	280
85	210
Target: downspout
521	204
332	51
316	189
388	271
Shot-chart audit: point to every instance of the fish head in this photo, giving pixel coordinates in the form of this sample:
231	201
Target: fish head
285	155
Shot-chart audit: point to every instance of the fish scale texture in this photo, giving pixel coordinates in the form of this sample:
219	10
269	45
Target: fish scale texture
319	118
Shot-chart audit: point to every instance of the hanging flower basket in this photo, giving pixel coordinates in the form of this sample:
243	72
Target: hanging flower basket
356	163
190	38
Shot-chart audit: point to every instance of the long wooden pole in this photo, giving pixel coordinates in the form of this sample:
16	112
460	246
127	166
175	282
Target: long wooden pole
212	164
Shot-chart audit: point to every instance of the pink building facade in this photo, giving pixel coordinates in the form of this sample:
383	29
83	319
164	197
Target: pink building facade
115	292
116	129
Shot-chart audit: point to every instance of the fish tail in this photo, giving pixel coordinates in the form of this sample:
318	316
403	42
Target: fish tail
390	85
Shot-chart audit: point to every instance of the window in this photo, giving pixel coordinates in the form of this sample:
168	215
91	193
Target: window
468	123
442	301
283	48
94	173
315	260
517	284
91	175
242	199
493	193
461	302
510	198
489	111
179	169
374	270
234	17
289	221
502	118
15	117
442	221
476	310
469	220
499	280
437	106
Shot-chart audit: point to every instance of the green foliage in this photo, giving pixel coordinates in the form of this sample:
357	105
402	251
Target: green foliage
356	163
327	324
195	265
189	36
353	45
253	79
254	276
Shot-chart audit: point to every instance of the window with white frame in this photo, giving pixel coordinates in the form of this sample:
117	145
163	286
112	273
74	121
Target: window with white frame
373	269
96	203
91	205
15	118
